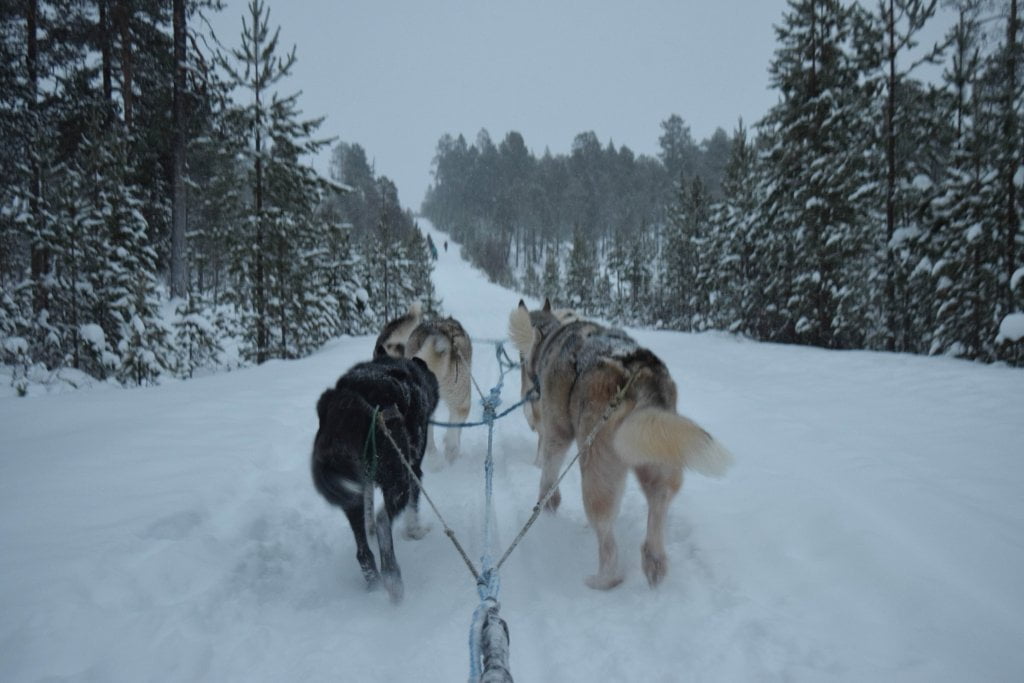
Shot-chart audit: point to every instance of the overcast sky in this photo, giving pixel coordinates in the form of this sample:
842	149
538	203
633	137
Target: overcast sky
394	75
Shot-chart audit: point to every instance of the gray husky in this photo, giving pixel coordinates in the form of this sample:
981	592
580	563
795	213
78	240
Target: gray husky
446	349
580	367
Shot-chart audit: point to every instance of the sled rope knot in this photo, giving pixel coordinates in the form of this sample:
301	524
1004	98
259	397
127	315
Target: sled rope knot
493	399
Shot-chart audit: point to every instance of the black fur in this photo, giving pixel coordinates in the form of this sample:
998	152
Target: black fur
406	394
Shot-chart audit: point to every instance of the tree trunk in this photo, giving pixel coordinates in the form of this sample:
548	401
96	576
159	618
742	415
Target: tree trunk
890	183
40	253
122	19
260	293
179	283
1013	163
262	331
106	52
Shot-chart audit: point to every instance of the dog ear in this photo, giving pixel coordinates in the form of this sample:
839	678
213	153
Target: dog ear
547	305
415	311
522	305
419	361
379	352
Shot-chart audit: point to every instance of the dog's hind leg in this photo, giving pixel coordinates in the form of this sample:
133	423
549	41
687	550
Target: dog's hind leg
413	528
453	435
357	520
659	484
431	447
552	448
390	572
604	479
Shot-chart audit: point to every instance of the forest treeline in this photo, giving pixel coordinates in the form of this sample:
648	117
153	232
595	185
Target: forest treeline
156	214
869	208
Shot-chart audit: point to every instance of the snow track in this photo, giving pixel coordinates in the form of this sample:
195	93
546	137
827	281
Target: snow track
872	529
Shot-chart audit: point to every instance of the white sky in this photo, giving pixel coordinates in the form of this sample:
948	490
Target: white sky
394	75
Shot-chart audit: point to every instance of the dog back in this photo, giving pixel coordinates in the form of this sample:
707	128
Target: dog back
404	391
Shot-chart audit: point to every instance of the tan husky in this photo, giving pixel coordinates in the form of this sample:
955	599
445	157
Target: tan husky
580	367
446	349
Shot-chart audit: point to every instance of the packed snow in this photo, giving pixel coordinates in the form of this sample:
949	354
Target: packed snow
872	529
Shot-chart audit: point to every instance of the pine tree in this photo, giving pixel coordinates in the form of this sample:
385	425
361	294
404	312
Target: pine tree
977	214
817	166
531	285
127	302
735	220
280	183
196	336
904	139
581	273
688	262
551	282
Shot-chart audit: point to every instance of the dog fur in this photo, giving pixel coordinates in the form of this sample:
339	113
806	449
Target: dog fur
580	367
531	409
406	394
393	338
447	350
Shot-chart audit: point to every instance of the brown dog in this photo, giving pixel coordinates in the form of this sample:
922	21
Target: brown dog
581	367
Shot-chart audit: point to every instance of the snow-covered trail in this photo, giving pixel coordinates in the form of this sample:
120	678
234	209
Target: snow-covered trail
872	529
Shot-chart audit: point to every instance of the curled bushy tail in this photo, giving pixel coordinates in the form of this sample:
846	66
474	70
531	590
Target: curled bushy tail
657	436
520	330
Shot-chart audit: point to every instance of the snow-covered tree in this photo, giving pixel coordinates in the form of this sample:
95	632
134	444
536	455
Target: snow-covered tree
551	281
816	163
279	182
581	273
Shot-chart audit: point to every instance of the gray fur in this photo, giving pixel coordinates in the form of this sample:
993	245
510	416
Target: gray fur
445	347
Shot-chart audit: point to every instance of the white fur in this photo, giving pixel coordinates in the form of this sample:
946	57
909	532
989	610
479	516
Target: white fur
651	435
520	331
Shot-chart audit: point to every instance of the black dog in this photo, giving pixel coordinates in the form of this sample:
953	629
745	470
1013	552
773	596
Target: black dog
349	458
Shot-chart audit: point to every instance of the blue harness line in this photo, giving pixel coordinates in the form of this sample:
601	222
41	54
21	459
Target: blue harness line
488	632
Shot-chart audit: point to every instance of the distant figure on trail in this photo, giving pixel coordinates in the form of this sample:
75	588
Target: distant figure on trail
446	246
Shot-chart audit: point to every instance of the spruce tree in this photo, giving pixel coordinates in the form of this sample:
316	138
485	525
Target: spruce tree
581	273
551	282
817	164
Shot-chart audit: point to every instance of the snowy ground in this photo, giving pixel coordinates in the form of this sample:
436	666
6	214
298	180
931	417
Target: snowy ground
871	530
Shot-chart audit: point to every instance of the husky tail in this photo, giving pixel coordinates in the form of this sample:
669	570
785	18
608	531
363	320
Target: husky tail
345	421
658	436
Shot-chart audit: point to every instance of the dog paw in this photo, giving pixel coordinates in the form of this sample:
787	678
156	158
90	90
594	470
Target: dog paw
396	591
451	455
655	565
372	581
416	531
602	583
553	502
